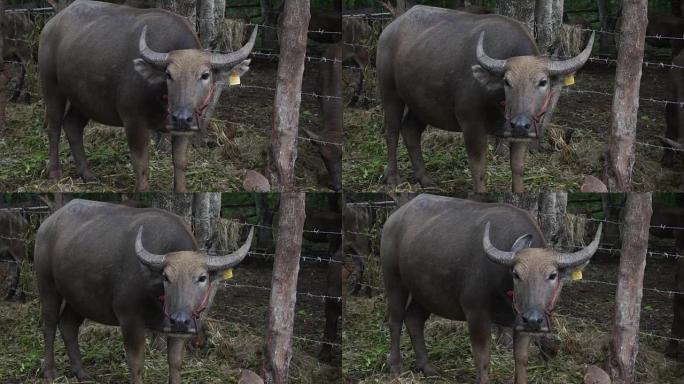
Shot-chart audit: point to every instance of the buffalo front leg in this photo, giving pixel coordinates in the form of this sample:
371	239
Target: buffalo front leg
138	138
480	339
412	130
134	343
176	346
180	162
521	344
69	324
415	319
518	153
476	147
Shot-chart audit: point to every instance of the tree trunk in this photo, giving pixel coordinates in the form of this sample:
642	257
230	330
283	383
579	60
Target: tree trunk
4	77
606	41
282	152
552	215
207	25
186	8
625	335
281	310
521	10
549	18
178	203
206	210
623	116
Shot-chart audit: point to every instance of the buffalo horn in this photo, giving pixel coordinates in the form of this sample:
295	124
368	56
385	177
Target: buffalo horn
228	60
488	63
155	58
148	258
216	263
493	253
564	67
569	260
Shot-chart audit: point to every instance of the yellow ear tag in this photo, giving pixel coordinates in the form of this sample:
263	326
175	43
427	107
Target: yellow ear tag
234	78
569	79
227	274
577	275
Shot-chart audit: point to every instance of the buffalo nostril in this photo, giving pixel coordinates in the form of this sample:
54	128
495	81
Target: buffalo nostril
174	118
172	321
188	119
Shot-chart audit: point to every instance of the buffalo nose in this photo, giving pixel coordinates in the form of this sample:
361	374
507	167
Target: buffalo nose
184	118
180	320
521	124
533	319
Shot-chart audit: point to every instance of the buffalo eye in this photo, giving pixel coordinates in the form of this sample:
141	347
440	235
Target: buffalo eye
205	76
553	276
507	83
168	76
166	278
543	82
516	276
202	279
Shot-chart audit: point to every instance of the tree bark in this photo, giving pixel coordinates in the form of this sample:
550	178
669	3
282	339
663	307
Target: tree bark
4	78
206	25
278	349
549	18
282	152
623	117
625	335
206	210
186	8
521	10
178	203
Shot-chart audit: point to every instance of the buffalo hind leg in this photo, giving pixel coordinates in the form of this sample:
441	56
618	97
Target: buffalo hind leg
396	303
74	123
480	330
69	324
476	146
518	153
174	355
55	103
134	343
138	138
179	145
394	111
50	304
521	344
412	130
415	319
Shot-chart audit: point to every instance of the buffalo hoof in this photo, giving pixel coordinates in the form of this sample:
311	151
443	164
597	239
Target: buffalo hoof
83	375
88	177
429	370
49	373
395	369
427	182
55	175
392	180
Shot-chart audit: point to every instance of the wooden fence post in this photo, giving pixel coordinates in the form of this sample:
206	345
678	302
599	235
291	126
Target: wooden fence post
280	170
623	116
625	336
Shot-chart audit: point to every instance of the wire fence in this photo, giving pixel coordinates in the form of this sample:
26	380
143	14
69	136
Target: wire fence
387	207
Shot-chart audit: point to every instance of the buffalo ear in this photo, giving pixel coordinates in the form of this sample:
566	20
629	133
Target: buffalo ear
239	69
149	72
521	243
566	274
490	81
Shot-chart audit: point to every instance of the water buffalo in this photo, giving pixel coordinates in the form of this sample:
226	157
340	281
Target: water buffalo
665	26
457	71
13	228
437	256
136	268
674	116
151	74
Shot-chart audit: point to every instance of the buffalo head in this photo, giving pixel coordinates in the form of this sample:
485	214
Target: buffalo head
191	76
538	275
189	279
529	84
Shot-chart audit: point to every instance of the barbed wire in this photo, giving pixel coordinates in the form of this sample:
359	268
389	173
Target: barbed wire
303	294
